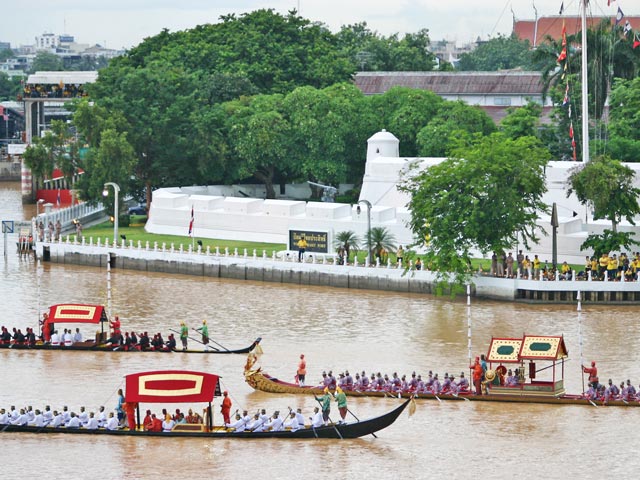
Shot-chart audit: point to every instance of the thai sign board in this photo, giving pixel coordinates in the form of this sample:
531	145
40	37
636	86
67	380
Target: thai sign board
317	242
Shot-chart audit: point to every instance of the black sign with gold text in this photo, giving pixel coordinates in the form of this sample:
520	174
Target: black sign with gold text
316	241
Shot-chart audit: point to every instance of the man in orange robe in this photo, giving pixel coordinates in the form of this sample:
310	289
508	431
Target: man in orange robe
225	409
477	376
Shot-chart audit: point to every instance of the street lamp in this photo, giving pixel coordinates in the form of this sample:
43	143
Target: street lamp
38	203
368	204
105	193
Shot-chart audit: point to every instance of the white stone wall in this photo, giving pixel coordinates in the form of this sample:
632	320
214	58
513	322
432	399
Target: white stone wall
255	219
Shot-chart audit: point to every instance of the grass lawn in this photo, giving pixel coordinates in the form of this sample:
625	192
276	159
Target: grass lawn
136	232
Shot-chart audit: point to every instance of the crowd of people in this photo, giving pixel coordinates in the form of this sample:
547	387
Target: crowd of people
605	393
53	91
609	266
27	416
123	417
144	342
396	384
128	341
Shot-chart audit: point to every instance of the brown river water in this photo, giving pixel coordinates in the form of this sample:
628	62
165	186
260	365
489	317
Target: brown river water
336	329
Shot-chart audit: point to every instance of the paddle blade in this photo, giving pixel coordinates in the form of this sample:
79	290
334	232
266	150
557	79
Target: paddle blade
412	407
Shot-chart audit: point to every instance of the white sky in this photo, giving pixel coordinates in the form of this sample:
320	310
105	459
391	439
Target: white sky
125	23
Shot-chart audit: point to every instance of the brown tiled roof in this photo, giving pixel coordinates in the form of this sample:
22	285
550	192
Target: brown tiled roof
552	26
453	83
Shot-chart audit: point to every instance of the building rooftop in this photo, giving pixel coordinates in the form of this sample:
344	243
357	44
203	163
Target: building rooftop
67	78
453	83
552	26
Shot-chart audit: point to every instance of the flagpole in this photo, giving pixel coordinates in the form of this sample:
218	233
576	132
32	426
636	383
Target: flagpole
585	86
469	322
580	336
193	239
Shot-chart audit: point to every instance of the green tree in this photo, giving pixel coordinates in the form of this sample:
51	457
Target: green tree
348	240
486	196
624	120
9	87
405	111
158	104
112	160
608	186
500	53
382	240
369	51
47	62
259	135
55	149
329	128
522	121
276	53
453	121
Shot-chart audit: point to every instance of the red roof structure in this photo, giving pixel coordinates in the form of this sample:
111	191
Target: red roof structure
552	26
171	386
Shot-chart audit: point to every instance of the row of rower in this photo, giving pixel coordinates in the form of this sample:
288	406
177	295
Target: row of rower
397	384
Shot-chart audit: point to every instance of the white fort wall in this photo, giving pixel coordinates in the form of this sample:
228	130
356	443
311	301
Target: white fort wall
258	220
217	215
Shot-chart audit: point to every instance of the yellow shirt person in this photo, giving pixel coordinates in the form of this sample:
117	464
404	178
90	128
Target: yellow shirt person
302	247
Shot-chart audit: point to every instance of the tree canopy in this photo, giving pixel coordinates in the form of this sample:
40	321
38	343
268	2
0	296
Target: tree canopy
608	186
486	196
624	120
499	53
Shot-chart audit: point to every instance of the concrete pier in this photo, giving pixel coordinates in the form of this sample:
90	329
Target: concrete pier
314	272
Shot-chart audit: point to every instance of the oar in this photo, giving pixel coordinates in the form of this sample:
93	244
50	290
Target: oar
334	425
357	419
461	396
198	341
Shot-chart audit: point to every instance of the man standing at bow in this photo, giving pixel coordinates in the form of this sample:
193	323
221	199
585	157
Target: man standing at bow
593	375
302	370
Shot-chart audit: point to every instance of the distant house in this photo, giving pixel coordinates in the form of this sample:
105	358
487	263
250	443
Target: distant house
536	31
494	92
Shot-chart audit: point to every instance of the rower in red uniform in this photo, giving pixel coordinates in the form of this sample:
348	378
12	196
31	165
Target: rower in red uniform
593	375
156	424
115	325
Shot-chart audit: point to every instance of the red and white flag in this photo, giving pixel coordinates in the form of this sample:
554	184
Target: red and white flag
191	222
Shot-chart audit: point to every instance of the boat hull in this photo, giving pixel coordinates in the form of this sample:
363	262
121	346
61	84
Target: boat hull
92	347
265	383
333	431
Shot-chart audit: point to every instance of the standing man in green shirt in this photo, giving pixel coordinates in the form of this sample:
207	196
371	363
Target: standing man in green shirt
325	403
341	400
184	334
204	330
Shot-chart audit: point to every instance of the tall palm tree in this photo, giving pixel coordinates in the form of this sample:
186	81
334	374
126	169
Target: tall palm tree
610	54
348	240
382	239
